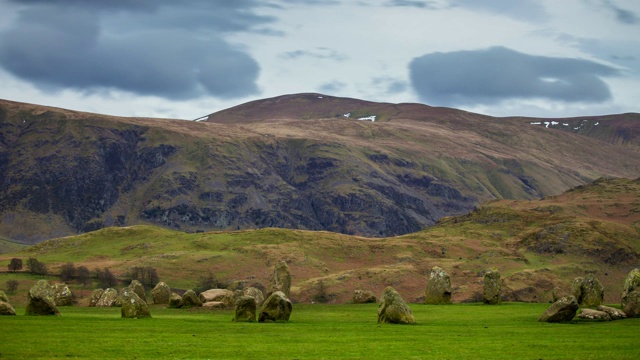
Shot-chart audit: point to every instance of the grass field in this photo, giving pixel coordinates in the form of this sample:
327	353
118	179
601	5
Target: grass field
463	331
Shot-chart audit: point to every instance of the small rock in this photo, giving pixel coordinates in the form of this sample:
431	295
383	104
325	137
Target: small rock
189	299
175	301
161	293
590	314
438	287
616	314
41	300
562	310
133	307
245	309
393	309
277	307
364	297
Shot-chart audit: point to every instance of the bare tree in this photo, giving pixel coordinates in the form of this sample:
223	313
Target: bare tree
12	286
36	267
15	265
83	275
67	272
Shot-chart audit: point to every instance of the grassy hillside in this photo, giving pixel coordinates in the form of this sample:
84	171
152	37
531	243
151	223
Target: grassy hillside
536	245
8	246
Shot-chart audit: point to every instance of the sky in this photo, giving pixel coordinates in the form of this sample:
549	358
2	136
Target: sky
186	59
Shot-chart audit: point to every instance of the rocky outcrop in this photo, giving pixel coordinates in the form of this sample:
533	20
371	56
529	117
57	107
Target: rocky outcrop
245	309
590	314
95	297
588	291
41	300
277	307
138	288
190	299
280	279
438	287
393	309
363	297
563	310
491	291
109	298
62	295
175	301
133	307
631	294
218	295
161	293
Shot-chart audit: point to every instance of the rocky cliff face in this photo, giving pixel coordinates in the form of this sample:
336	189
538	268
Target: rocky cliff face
65	172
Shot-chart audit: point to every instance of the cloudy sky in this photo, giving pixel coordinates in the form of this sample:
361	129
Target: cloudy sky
185	59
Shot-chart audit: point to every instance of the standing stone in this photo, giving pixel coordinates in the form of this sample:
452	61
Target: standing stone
95	297
254	293
6	309
438	287
108	299
161	293
189	299
245	310
364	297
393	309
277	307
62	295
41	300
631	294
562	310
138	288
492	287
280	280
588	291
175	301
133	307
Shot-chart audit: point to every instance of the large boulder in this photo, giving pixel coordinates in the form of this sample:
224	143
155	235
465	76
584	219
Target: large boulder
161	293
62	295
363	297
41	300
190	299
438	287
590	314
109	298
6	309
557	293
95	297
133	306
218	295
175	301
254	293
631	294
138	288
588	291
245	309
393	309
280	280
562	310
492	287
277	307
615	314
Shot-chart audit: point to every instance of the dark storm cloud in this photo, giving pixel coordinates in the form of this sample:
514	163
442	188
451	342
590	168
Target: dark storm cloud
528	10
145	47
495	74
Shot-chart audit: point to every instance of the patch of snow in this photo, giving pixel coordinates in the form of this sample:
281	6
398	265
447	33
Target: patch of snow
565	124
552	123
346	115
320	97
576	128
596	124
369	118
536	123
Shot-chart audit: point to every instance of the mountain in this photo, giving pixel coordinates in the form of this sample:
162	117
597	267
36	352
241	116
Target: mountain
536	244
300	161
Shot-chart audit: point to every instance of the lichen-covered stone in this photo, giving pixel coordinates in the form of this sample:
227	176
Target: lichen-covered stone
6	309
161	293
95	297
558	293
108	299
393	309
590	314
277	307
41	300
492	287
218	295
62	295
364	297
280	280
631	294
133	307
214	305
588	291
438	287
562	310
175	301
3	296
138	288
245	309
190	299
254	293
615	314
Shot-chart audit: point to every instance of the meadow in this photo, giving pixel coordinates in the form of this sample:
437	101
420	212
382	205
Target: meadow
316	331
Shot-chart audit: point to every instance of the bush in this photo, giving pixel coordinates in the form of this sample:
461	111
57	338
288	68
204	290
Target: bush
147	276
36	267
83	275
15	265
67	272
321	295
12	286
105	278
210	281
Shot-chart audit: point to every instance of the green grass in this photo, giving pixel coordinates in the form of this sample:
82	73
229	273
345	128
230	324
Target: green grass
508	331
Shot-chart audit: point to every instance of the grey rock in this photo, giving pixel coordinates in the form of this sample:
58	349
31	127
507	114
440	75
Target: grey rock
189	299
161	293
563	310
280	280
245	309
393	309
590	314
615	314
41	300
108	299
438	287
364	297
133	306
277	307
95	297
491	291
588	291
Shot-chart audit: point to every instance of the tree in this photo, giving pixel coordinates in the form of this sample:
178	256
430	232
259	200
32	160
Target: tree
15	265
106	279
67	272
36	267
146	275
12	286
83	275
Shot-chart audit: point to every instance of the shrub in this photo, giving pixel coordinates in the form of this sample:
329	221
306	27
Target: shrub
15	265
67	272
105	278
147	276
12	286
36	267
83	275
